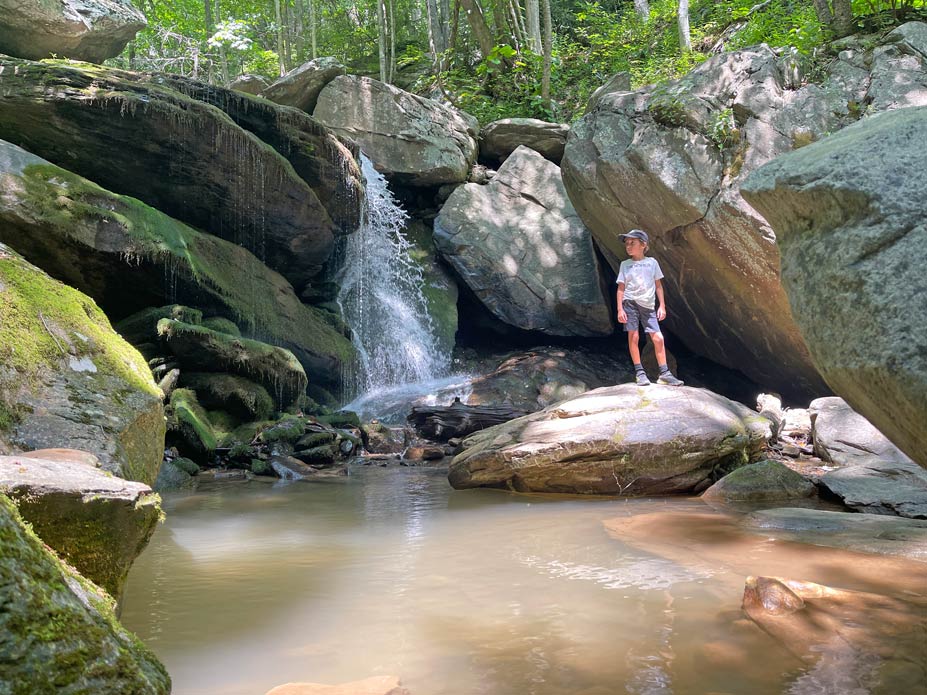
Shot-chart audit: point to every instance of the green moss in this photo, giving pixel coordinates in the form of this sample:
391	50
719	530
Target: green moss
187	466
319	454
222	325
314	439
60	629
259	467
43	322
343	418
287	429
142	326
234	395
191	416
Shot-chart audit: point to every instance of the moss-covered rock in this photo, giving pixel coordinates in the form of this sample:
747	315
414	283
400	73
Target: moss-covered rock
439	288
97	522
172	477
136	134
222	325
142	327
287	429
199	348
188	420
235	395
58	632
313	439
316	456
343	418
68	380
764	481
102	243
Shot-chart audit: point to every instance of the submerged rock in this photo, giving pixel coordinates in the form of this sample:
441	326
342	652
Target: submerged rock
102	243
850	218
617	440
68	380
375	685
196	163
519	245
95	521
851	641
58	632
409	138
92	30
873	475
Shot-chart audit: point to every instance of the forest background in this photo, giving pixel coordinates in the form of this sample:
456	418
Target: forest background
492	58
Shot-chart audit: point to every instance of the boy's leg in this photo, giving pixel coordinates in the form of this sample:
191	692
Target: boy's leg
632	328
659	347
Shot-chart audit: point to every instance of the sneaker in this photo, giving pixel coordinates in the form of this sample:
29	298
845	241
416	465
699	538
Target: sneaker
667	379
642	379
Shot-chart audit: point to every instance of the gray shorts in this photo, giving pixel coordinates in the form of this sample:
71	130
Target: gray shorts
640	317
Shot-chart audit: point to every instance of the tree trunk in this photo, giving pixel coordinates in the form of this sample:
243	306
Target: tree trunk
391	28
843	18
437	30
682	19
548	49
478	24
642	7
533	22
279	38
223	58
381	37
312	28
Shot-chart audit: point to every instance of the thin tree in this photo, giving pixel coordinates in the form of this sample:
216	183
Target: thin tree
548	49
280	56
533	21
836	15
682	20
642	7
478	25
312	29
381	38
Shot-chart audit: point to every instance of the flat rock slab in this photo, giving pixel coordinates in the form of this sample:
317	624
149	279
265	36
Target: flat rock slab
864	533
847	638
873	476
97	522
615	440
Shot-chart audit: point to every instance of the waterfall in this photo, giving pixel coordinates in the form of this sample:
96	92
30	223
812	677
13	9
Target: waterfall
381	298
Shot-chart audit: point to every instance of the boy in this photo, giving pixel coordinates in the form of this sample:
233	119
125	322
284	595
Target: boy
640	282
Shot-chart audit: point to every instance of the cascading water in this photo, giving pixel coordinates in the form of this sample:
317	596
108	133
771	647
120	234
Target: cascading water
381	298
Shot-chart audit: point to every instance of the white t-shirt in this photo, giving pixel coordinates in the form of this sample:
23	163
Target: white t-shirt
640	280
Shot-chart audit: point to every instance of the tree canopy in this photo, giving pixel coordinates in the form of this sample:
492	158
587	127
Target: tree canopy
493	58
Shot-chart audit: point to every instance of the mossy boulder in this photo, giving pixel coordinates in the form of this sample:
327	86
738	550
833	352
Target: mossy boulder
173	476
188	424
615	440
287	429
142	327
235	395
95	521
68	380
59	632
764	481
102	243
198	348
222	325
136	134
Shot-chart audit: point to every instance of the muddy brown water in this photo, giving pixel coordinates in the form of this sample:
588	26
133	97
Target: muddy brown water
390	571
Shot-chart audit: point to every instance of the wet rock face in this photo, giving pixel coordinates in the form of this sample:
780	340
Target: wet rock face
412	140
849	214
102	243
91	30
84	648
519	245
196	164
98	523
671	160
617	440
68	380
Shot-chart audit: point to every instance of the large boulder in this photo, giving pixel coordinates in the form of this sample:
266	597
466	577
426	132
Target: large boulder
97	522
849	213
59	632
764	481
102	243
409	138
68	380
520	246
301	86
91	30
616	440
141	135
249	84
500	138
872	474
671	159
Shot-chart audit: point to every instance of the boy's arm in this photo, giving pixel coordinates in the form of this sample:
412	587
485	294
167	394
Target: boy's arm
661	306
622	316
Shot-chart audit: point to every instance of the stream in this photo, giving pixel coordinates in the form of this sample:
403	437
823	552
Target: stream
391	572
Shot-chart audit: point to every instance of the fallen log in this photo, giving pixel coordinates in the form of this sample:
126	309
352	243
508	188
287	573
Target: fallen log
458	420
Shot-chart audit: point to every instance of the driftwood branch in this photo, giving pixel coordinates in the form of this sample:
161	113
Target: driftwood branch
458	420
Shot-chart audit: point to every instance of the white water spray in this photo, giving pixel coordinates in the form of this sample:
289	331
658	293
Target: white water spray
381	298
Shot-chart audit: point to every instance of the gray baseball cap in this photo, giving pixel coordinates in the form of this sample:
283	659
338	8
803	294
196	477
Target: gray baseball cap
636	234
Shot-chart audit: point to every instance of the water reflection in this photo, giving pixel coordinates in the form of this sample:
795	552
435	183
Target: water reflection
459	592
